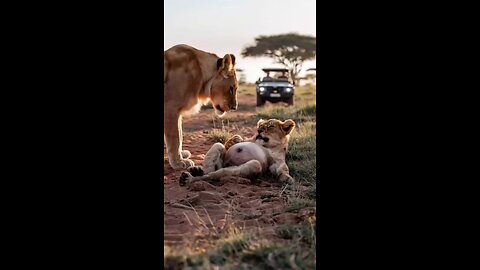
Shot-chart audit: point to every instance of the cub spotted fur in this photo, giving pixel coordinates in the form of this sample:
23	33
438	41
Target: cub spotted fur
192	77
250	158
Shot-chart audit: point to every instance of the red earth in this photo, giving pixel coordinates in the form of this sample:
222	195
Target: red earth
206	211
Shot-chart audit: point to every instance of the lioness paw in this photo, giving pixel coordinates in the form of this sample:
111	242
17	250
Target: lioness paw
182	164
186	154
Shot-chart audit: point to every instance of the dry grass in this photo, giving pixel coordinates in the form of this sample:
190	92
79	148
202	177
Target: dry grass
235	249
219	135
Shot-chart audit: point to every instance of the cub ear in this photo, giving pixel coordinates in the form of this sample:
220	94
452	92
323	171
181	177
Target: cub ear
226	67
288	126
261	121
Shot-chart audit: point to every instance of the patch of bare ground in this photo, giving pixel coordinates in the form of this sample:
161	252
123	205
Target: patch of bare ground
238	221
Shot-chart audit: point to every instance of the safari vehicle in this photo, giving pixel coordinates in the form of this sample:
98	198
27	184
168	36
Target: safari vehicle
275	88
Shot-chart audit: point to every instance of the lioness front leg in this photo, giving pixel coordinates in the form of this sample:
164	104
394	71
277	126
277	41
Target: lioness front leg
282	172
249	170
173	140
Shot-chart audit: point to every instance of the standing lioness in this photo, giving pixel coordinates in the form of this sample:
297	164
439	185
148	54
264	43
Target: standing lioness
192	77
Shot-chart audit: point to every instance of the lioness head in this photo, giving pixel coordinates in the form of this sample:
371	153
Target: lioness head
223	93
273	132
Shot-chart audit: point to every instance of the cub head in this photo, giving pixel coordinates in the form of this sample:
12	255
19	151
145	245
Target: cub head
273	132
223	93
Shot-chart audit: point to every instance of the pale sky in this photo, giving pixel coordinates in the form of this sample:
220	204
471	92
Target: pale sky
228	26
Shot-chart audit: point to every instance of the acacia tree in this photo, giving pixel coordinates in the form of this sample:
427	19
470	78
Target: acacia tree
290	50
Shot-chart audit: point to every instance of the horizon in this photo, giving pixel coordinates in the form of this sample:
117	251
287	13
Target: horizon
236	30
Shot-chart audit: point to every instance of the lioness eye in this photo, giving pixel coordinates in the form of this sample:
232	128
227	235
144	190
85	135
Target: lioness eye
231	90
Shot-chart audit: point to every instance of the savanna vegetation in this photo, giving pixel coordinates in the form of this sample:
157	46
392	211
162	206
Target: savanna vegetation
294	245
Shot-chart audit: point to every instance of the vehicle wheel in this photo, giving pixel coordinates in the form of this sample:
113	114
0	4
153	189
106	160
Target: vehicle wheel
290	101
260	101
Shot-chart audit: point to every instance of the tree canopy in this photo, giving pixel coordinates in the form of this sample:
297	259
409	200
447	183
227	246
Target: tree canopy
290	50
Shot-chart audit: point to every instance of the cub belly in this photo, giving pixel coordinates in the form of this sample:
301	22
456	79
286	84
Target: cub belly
242	152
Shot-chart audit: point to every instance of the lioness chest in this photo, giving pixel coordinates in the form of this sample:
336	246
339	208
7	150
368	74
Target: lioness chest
242	152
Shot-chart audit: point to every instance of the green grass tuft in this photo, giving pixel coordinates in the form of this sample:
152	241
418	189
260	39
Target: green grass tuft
301	155
301	232
299	114
272	256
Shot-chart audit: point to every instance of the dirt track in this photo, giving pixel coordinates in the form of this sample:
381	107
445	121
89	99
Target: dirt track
208	210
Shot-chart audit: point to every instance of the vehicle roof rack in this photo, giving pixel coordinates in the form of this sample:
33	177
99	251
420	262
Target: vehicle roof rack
275	69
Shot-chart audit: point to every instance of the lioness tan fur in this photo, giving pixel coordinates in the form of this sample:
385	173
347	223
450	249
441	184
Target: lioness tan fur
192	77
264	152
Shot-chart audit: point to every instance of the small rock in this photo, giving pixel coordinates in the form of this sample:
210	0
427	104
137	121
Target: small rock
197	186
266	220
306	212
251	204
268	194
253	215
209	196
244	181
251	223
286	218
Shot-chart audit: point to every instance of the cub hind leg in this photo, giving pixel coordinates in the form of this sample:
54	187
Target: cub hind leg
214	157
212	162
250	169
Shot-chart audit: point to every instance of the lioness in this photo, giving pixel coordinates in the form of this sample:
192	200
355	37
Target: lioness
250	158
192	77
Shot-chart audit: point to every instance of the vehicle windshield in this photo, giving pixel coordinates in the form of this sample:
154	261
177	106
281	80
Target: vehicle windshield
276	76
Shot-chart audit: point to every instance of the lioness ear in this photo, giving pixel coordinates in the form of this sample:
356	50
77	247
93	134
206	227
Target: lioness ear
260	122
233	59
288	126
227	66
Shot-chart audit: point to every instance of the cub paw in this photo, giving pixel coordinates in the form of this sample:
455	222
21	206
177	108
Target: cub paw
286	179
184	178
182	164
196	170
236	138
233	140
186	154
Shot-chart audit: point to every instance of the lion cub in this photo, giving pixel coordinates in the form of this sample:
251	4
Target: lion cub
250	158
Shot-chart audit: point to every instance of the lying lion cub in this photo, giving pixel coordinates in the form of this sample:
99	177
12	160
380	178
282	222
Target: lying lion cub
247	158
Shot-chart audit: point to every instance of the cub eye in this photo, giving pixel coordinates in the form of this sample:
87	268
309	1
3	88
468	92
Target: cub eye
231	90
